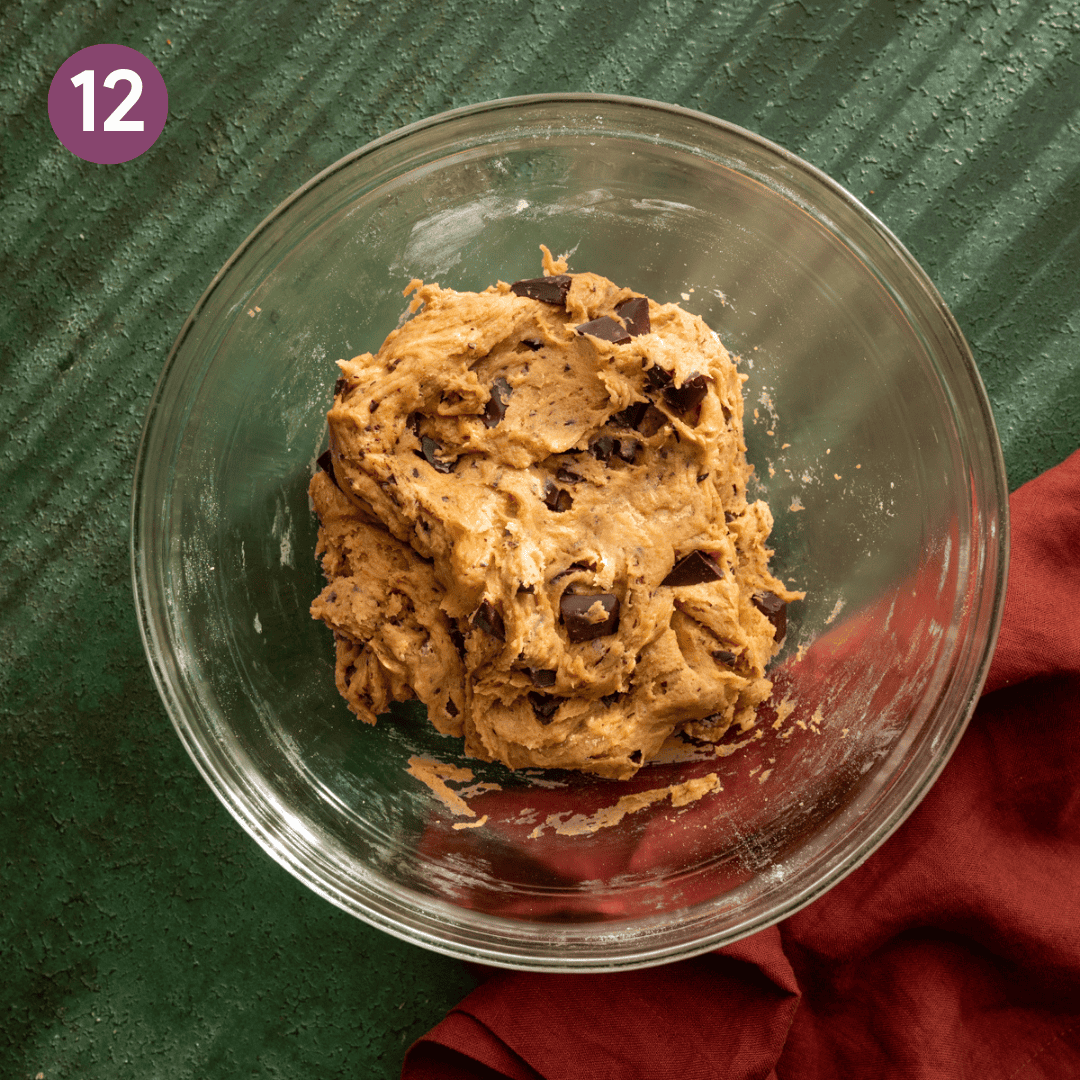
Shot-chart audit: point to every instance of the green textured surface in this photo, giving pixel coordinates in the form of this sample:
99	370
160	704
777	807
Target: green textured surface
141	932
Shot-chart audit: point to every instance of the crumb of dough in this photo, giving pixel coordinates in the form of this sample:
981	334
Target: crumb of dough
783	711
837	608
478	789
579	824
435	774
727	749
470	824
533	518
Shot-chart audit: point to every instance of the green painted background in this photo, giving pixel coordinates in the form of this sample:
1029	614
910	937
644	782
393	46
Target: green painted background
142	934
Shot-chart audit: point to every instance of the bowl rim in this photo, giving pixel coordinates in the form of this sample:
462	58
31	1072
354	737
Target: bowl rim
523	960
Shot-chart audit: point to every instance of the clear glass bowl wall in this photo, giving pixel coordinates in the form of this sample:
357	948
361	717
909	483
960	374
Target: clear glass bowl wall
872	441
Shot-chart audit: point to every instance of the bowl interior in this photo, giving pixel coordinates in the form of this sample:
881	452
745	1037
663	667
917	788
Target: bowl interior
872	442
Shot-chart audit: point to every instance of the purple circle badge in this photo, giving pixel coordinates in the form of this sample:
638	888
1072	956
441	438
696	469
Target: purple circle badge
108	103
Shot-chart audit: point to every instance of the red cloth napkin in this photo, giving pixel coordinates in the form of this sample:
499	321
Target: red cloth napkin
952	952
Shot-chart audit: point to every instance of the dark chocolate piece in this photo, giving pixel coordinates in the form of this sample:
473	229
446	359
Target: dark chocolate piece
428	449
551	290
652	420
341	386
774	609
495	409
574	610
627	450
565	476
635	313
532	343
590	566
544	705
630	416
413	423
607	329
725	656
557	498
684	399
601	447
541	677
487	618
694	569
325	461
451	708
657	378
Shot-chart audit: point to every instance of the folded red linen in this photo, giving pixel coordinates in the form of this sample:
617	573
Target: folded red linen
953	952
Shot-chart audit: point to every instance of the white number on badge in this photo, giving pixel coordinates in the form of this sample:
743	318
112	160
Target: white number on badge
115	120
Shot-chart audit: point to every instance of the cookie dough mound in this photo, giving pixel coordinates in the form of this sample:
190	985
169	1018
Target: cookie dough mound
534	519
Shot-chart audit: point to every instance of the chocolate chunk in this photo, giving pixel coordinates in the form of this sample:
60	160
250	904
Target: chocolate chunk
487	618
566	476
590	566
652	420
601	447
495	409
774	609
325	461
725	656
451	708
541	677
428	449
694	569
551	290
413	423
532	343
635	313
557	498
684	399
544	705
574	611
341	386
657	378
607	329
630	416
627	450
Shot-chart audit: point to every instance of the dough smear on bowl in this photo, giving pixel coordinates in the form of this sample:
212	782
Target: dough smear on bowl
533	518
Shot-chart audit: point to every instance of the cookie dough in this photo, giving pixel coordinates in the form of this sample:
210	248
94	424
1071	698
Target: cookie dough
533	518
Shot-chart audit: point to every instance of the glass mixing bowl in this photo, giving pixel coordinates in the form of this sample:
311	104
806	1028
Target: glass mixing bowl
872	440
